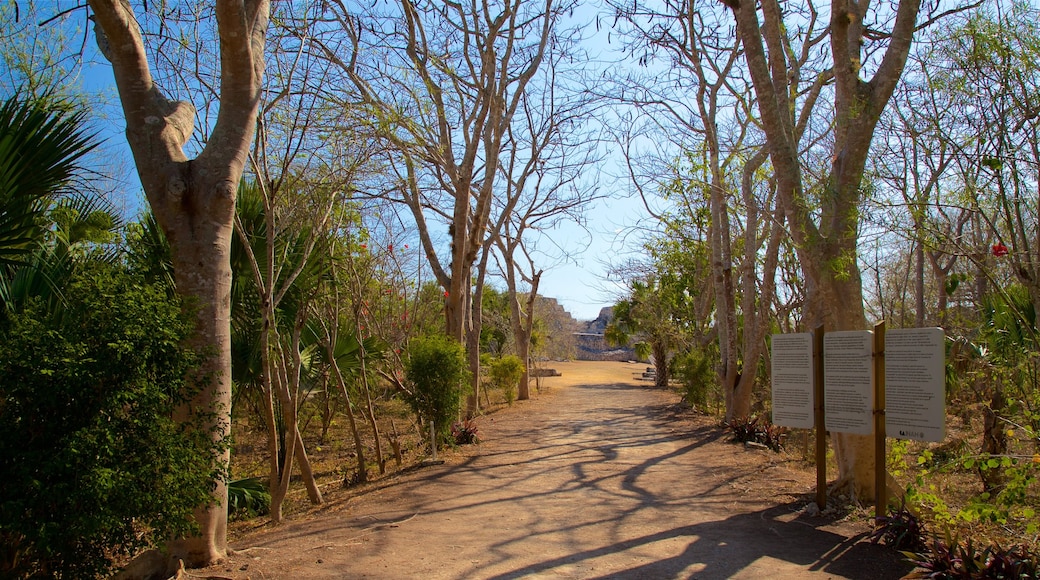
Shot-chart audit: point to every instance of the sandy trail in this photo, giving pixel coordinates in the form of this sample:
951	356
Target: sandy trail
603	477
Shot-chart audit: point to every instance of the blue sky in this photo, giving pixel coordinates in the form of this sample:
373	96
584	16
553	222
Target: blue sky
580	284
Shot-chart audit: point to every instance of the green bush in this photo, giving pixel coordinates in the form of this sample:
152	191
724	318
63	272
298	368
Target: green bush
92	467
248	498
438	373
506	373
695	369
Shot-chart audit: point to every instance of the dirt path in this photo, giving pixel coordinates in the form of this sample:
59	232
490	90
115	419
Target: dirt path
607	479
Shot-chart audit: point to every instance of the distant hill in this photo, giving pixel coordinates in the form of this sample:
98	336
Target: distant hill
569	338
590	343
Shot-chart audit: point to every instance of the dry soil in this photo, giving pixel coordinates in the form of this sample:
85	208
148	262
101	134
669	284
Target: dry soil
600	475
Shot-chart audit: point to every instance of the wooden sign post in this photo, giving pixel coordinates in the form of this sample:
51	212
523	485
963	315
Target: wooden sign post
880	451
821	433
844	382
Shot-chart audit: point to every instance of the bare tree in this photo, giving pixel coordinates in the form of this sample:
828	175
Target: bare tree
547	153
827	244
445	80
702	104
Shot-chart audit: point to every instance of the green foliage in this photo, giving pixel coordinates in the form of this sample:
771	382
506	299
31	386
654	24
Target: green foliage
93	465
662	313
494	321
506	373
248	497
352	355
695	369
438	373
148	253
1010	506
39	152
41	147
1009	324
841	266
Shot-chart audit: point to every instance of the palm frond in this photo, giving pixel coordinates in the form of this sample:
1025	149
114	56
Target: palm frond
40	150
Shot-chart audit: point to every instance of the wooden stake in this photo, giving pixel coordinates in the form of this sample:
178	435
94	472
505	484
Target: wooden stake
433	440
821	431
395	444
880	472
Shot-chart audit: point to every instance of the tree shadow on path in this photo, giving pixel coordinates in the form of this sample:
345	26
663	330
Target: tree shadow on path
751	545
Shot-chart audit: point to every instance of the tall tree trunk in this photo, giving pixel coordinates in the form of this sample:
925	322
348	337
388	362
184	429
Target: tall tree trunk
377	439
994	438
522	330
756	302
725	294
660	352
194	203
359	448
476	314
827	249
279	383
919	315
306	473
202	271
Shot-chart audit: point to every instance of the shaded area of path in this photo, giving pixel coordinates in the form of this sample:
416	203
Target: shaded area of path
595	481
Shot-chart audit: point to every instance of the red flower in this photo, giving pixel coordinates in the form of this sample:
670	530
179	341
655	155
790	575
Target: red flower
390	248
445	293
1000	250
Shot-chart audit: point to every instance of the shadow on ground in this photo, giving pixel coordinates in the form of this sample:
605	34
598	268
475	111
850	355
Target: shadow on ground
722	549
606	480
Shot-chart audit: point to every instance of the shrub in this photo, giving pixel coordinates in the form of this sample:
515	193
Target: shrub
506	373
248	497
900	529
465	433
93	467
695	369
754	429
438	372
952	559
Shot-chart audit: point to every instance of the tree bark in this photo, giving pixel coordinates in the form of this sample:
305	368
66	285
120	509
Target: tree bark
756	300
523	327
827	249
359	448
660	352
194	203
476	317
994	438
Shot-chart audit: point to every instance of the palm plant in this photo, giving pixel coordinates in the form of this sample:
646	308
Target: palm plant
278	263
40	150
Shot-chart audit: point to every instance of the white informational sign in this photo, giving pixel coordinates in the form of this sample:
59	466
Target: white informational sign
792	370
847	372
915	384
